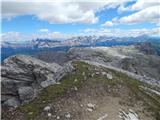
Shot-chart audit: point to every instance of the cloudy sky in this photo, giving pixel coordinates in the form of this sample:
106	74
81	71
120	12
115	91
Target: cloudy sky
29	19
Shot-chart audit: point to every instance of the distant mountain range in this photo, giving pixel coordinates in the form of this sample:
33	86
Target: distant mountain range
9	48
78	41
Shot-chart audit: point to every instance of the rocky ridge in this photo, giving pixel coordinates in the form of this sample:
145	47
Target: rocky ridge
91	92
24	76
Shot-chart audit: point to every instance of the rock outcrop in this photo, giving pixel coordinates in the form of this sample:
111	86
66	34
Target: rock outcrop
24	76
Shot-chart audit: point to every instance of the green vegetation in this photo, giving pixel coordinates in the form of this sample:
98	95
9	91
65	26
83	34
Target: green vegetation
79	77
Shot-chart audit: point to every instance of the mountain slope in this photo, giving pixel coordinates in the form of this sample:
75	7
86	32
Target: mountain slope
129	58
90	93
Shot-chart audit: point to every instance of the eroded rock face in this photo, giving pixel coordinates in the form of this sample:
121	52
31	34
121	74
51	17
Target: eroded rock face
23	76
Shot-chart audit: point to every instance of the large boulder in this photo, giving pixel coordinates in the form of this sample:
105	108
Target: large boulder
23	76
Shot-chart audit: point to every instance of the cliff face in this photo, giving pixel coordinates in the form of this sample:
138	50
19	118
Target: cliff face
23	77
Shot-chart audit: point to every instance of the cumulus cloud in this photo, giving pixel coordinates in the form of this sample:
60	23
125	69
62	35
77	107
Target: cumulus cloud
149	15
62	11
139	5
53	12
142	4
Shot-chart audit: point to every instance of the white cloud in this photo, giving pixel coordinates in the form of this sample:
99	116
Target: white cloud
62	11
142	4
13	36
53	12
44	30
16	36
147	11
124	33
149	15
108	24
139	5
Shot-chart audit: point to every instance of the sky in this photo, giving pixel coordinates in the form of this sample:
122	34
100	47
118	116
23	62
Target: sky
55	19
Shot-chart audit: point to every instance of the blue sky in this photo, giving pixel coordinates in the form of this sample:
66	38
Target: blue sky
67	19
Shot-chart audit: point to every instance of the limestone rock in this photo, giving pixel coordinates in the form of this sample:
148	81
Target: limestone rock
23	76
90	105
47	108
109	76
67	115
49	114
58	117
89	109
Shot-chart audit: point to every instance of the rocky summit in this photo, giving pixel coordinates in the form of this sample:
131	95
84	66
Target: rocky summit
91	91
24	76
